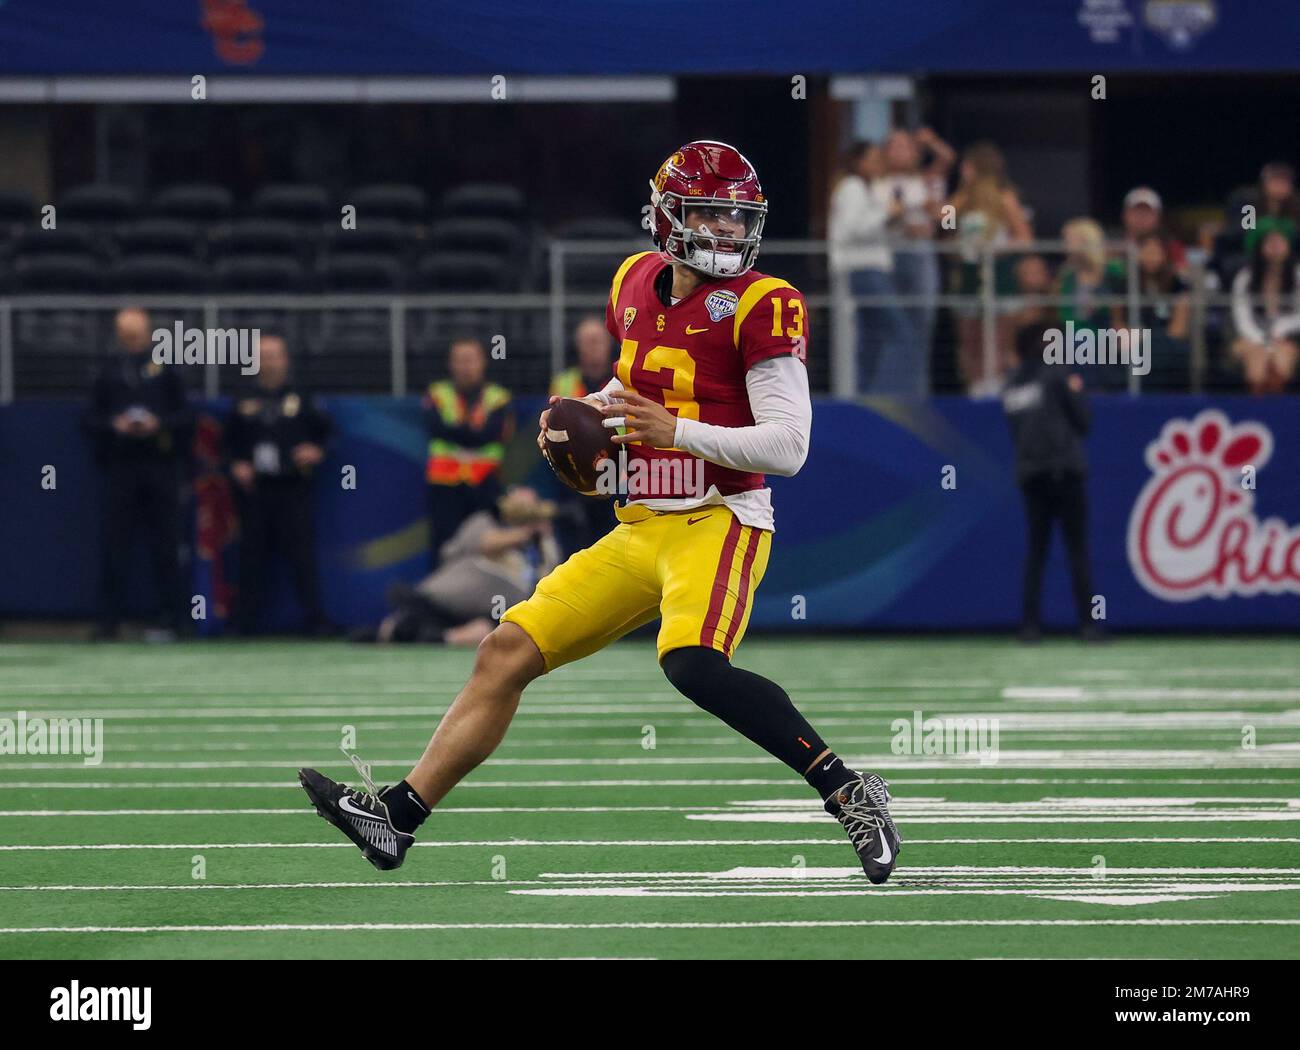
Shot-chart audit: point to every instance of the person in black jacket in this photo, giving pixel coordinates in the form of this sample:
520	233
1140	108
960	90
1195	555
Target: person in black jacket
140	422
1049	418
276	439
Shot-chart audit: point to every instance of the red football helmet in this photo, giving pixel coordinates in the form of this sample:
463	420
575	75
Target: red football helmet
707	209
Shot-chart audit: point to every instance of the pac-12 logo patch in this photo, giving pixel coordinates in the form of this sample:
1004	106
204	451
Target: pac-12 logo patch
629	315
721	304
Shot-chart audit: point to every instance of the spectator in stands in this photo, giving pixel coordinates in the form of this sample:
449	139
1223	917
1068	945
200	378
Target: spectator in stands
1165	311
584	519
989	216
593	348
1266	314
1277	205
140	422
1048	415
1030	307
469	421
1143	215
276	440
493	561
861	259
1085	278
918	192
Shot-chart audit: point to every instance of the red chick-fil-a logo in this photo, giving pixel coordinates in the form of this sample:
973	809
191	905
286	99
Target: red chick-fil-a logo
236	30
1193	531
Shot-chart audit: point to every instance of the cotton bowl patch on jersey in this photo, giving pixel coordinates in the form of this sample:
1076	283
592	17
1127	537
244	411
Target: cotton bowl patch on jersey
722	303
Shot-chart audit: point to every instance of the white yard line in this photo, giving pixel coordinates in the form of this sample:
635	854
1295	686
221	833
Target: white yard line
791	924
835	841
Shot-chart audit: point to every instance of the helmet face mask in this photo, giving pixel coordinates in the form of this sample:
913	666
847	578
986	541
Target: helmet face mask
708	209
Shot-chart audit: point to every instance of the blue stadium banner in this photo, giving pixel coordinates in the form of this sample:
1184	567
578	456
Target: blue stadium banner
1195	515
577	37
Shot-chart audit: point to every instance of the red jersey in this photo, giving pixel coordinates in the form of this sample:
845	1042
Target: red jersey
692	357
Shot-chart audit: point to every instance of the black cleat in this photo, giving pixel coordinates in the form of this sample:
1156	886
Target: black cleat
862	806
361	815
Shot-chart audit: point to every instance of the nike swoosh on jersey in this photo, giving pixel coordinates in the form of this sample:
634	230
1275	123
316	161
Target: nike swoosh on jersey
694	331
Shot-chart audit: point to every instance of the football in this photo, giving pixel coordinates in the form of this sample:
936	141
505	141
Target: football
577	442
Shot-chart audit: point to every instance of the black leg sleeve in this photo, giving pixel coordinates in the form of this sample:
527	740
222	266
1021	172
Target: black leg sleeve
753	706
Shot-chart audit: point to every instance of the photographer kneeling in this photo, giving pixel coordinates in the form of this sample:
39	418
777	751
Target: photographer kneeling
493	560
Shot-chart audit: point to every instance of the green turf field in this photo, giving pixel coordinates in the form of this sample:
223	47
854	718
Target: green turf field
1122	818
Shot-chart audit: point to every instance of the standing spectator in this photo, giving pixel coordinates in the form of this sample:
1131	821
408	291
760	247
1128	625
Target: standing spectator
1034	286
1266	315
1143	215
1084	280
1165	312
469	421
989	216
860	256
140	422
277	440
919	194
1048	414
585	519
1277	206
595	361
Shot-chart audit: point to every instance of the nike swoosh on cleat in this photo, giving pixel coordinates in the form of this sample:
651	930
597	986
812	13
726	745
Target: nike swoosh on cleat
886	855
345	804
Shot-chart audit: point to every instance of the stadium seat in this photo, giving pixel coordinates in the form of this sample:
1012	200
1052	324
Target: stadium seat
57	273
258	273
483	200
17	208
407	204
193	201
601	229
495	236
387	236
97	203
157	273
159	237
294	202
461	272
65	239
361	273
258	237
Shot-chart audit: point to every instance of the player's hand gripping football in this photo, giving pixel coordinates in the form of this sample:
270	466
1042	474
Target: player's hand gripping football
541	423
646	421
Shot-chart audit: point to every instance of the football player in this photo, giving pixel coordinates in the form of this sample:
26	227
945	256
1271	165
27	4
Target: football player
712	392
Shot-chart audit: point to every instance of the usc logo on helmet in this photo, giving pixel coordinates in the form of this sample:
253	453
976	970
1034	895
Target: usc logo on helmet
676	160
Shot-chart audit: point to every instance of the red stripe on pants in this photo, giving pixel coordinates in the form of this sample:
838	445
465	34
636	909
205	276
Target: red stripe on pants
719	596
742	596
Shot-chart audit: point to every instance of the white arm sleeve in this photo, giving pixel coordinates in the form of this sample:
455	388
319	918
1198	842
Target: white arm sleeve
777	443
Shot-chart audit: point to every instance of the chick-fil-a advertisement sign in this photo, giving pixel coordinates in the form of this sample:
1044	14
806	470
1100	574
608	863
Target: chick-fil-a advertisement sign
1194	532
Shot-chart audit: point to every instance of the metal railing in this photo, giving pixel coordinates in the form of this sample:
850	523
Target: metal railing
414	327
